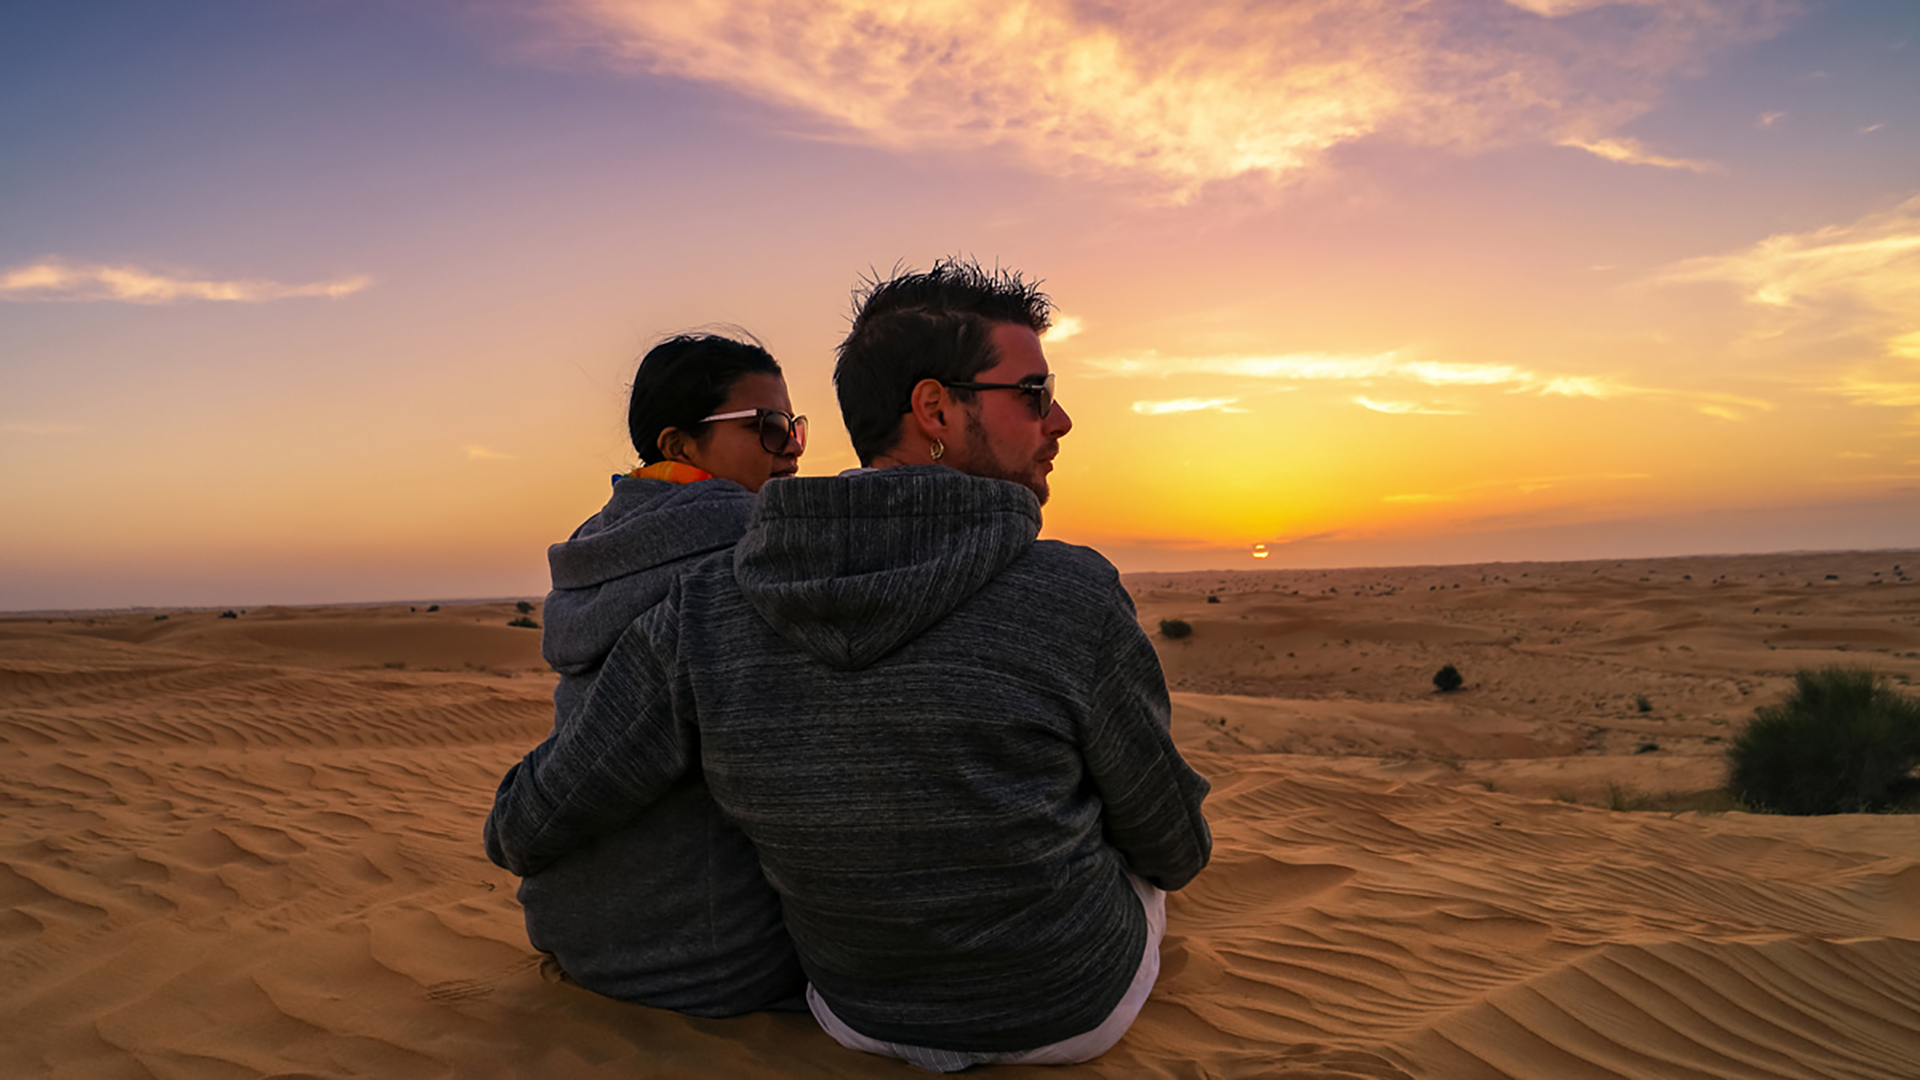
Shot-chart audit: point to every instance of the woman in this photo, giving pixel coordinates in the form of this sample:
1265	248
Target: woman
671	910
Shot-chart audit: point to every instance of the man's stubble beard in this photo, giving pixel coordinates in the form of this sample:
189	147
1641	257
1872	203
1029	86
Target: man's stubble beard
982	461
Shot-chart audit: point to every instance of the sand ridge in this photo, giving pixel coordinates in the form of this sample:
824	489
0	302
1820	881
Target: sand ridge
249	847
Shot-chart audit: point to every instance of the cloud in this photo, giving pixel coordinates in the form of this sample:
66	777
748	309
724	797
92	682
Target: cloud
1403	408
9	427
57	279
1871	128
1394	366
481	453
1866	390
1183	405
1874	261
1331	367
1836	282
1768	119
1064	327
1178	95
1524	486
1630	152
1311	538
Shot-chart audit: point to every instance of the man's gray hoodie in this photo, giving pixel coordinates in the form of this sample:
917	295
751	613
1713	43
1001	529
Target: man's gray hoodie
671	909
948	743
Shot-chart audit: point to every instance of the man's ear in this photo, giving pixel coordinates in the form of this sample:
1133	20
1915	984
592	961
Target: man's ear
673	444
930	405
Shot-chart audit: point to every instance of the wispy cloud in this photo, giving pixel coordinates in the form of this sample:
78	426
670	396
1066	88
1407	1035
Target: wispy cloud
481	453
1186	405
1836	283
1874	261
1394	366
1630	152
1064	327
1179	95
1524	486
1768	119
1332	367
57	279
1865	390
1403	408
1871	128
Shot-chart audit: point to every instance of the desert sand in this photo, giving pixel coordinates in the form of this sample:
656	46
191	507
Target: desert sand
250	847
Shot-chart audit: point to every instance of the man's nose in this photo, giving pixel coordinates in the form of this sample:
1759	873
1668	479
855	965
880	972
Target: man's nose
1057	421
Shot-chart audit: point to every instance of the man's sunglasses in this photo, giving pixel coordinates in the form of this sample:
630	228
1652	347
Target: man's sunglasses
1040	393
775	427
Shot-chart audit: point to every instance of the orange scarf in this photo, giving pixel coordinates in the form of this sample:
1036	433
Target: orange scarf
673	472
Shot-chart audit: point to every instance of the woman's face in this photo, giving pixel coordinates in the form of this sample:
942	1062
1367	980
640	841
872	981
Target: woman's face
731	449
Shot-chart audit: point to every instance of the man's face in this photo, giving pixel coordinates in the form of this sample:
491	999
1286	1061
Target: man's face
1004	439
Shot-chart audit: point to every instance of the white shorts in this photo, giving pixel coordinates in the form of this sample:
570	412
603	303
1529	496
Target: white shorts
1083	1047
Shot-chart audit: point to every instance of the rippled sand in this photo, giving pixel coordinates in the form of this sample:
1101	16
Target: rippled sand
249	847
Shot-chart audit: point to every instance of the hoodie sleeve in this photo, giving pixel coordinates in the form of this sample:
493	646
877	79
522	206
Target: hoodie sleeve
1152	797
619	754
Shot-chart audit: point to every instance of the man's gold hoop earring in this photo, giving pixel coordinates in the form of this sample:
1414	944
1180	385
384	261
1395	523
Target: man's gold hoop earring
937	450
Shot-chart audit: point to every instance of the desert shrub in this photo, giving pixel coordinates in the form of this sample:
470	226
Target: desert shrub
1624	797
433	607
228	614
1448	679
1175	628
1643	704
523	608
522	620
1841	742
1213	599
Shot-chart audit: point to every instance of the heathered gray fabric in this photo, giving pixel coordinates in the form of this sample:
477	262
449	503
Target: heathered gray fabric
619	562
947	741
671	909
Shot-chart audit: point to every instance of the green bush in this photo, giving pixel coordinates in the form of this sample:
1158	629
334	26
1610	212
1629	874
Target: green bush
1448	679
523	608
522	620
1175	628
1841	742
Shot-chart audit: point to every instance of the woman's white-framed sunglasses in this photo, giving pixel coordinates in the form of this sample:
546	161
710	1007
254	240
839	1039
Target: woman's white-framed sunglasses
776	428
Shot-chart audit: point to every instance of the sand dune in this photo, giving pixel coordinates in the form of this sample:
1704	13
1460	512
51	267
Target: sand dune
249	847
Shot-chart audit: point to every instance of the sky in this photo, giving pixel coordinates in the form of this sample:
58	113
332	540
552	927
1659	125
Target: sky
339	300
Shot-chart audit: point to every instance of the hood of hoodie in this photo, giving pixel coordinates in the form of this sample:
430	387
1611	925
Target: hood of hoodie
620	561
849	568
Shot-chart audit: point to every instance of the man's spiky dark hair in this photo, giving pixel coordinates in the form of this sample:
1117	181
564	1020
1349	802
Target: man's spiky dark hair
932	324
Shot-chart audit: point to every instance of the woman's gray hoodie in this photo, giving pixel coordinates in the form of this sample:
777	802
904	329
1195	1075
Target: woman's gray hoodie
948	742
671	909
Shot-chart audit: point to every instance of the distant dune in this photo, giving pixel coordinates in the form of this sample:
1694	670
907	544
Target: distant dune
250	847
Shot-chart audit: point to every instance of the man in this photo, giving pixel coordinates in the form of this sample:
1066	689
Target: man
947	741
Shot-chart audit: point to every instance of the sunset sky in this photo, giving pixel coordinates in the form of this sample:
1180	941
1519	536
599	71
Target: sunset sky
337	300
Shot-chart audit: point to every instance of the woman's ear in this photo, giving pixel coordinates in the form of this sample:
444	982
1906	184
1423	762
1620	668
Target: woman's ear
673	444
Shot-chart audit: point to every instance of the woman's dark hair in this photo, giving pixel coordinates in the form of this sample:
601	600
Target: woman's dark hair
914	325
684	378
